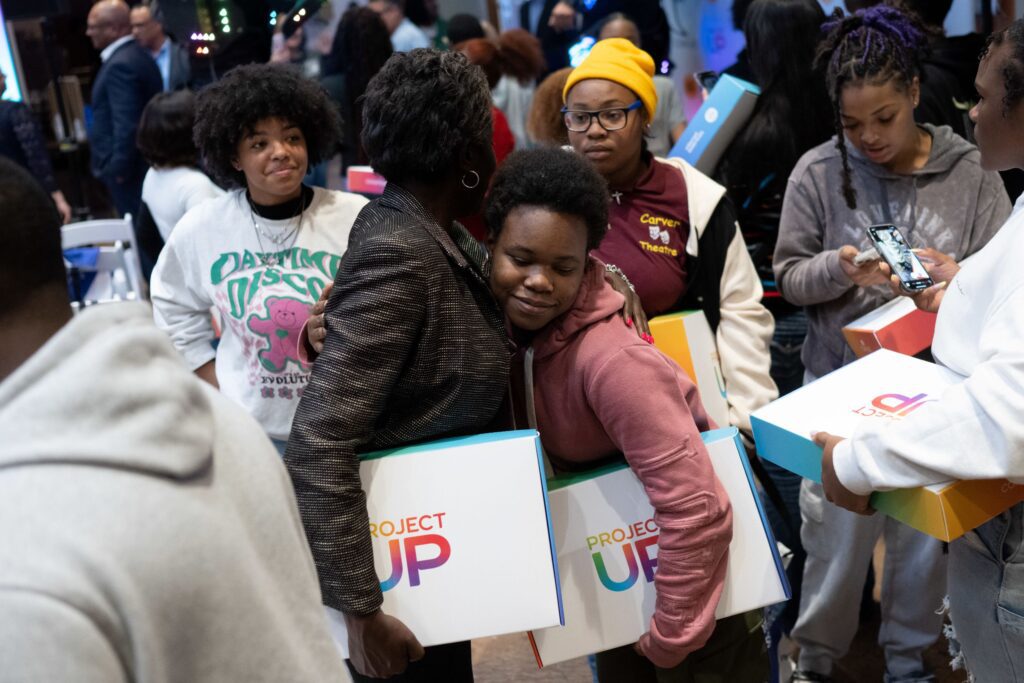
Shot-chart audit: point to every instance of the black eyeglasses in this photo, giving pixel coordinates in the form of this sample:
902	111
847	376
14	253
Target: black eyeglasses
610	119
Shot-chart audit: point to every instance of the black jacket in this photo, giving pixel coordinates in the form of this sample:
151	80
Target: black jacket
416	350
123	87
22	142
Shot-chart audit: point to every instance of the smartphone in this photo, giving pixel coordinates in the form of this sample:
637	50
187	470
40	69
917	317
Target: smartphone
893	247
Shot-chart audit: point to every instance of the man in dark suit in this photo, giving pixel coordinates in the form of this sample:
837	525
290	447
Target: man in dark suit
559	24
171	57
125	83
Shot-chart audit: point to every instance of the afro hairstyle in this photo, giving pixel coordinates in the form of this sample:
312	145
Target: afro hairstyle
551	178
422	112
228	110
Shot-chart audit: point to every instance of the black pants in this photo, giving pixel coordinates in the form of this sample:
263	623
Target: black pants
735	653
452	663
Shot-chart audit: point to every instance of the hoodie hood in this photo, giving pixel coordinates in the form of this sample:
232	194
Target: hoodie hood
108	390
595	301
948	149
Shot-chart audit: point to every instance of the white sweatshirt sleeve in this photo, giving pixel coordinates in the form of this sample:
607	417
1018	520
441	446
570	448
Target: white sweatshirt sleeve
181	306
974	431
744	336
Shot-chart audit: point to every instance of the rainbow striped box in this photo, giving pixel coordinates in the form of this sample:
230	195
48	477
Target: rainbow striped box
687	339
607	554
883	386
897	325
462	538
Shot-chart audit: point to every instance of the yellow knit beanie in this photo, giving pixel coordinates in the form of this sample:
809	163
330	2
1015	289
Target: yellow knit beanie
619	61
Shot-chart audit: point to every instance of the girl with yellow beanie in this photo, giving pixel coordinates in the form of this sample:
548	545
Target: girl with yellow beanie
674	235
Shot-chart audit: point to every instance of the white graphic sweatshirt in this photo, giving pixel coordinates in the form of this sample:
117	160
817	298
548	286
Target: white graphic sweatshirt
212	260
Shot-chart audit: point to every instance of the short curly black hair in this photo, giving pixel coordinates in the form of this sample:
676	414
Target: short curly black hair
1013	67
227	110
422	111
553	179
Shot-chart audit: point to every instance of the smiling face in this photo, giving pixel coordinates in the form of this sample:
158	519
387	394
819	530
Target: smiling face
997	132
538	260
610	152
879	120
273	157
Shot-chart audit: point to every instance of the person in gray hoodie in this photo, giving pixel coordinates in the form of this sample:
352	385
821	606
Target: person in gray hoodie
148	529
880	168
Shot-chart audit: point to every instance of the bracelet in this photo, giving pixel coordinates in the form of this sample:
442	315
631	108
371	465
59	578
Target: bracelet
612	268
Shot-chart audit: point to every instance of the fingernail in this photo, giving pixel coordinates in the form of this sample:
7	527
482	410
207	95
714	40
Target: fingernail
629	322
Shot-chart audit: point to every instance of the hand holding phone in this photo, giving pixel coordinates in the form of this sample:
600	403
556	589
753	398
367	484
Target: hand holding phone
865	275
866	256
905	264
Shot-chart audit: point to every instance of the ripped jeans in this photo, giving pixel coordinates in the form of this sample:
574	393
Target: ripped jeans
986	596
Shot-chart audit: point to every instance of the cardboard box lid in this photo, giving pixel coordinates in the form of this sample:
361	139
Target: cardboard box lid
887	314
881	385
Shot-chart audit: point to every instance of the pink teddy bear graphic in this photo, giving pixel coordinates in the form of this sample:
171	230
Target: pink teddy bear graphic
280	328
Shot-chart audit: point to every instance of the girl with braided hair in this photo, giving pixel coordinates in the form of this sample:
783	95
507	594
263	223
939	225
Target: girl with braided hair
880	167
979	334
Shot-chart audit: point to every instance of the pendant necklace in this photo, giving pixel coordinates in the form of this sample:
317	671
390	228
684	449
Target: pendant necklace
271	260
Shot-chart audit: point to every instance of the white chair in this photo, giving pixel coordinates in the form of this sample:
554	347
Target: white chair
119	273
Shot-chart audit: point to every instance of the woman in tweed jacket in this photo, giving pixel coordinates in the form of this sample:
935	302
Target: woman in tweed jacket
416	347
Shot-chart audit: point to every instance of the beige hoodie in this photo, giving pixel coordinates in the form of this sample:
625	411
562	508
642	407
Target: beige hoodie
148	530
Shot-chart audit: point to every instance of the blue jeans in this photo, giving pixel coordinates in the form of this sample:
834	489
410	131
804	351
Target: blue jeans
986	598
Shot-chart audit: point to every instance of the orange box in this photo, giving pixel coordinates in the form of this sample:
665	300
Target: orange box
897	325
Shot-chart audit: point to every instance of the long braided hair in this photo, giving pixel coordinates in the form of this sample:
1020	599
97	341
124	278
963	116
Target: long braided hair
878	45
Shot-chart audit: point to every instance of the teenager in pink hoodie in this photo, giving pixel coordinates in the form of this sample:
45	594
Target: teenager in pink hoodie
596	392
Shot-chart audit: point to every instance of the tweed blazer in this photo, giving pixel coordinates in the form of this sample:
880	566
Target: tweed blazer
416	350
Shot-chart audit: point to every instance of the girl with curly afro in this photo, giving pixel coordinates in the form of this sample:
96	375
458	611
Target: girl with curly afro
879	168
260	255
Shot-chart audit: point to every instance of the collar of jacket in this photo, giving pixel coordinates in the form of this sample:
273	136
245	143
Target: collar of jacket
458	245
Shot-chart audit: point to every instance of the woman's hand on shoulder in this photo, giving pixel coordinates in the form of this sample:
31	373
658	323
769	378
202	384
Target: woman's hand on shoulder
633	310
316	327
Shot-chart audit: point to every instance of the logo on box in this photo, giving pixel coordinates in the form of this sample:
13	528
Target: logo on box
893	406
413	547
635	541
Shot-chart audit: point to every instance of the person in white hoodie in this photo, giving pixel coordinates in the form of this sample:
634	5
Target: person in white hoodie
262	253
975	429
149	531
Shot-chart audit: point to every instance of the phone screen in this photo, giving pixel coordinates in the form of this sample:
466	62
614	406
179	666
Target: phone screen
894	249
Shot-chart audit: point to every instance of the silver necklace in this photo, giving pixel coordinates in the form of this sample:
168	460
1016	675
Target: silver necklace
271	260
